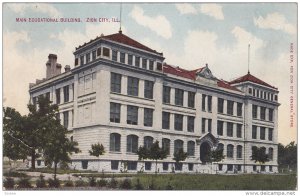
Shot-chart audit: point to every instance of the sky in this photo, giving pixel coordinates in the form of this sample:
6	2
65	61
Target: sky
189	35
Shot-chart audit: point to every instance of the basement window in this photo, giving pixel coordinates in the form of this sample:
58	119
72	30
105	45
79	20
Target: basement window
84	164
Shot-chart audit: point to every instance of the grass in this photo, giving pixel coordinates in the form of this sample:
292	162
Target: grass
59	171
219	182
101	175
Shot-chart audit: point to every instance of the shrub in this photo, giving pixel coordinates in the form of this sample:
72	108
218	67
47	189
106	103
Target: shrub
69	183
80	183
14	174
102	182
41	183
113	183
138	185
24	183
92	181
126	184
53	183
169	187
9	183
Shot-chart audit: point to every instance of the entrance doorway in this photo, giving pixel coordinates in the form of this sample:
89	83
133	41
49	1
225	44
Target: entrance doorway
204	152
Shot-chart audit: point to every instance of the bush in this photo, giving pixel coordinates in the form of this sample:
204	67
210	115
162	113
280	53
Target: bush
9	183
113	183
80	183
138	185
102	182
53	183
14	174
69	183
41	183
92	181
126	184
169	187
24	183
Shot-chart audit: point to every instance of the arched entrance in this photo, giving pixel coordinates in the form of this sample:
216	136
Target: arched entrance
204	152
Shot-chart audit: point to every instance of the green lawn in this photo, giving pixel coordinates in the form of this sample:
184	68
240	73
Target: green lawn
59	171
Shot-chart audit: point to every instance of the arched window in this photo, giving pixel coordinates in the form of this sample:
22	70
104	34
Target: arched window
132	143
148	141
191	148
271	153
239	151
264	150
178	144
115	142
220	146
230	151
166	145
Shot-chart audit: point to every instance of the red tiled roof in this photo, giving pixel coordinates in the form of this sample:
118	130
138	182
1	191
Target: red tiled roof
123	39
169	69
251	78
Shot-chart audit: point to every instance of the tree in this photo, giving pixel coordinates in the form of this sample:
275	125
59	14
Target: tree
259	155
179	155
287	155
154	153
215	155
97	150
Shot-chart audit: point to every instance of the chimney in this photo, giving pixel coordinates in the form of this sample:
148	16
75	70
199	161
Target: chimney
53	68
67	68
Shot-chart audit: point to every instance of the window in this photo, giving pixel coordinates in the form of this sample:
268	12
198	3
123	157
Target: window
178	144
144	63
131	165
275	97
229	129
178	97
191	166
191	122
230	167
270	135
148	89
132	115
166	94
115	55
84	164
220	147
115	82
76	61
262	133
230	107
239	167
239	109
203	125
166	145
239	151
230	151
66	93
265	95
66	119
254	92
178	122
81	60
166	120
220	105
271	115
178	166
148	141
263	168
88	57
137	61
220	166
34	101
203	102
209	98
106	52
115	142
122	57
220	127
151	67
191	99
48	96
250	91
209	125
159	66
133	86
98	51
239	130
39	162
148	117
254	111
115	112
271	97
270	168
191	148
147	166
254	132
254	168
165	166
129	59
94	55
114	165
132	143
57	93
271	153
262	113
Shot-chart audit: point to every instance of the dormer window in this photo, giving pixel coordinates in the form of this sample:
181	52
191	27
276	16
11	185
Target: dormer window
106	52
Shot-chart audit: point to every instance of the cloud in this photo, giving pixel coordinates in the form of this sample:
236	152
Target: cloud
158	24
275	21
186	8
213	10
44	8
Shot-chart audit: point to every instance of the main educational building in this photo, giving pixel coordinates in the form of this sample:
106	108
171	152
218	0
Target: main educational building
123	95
